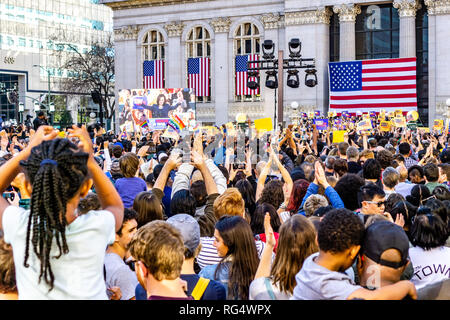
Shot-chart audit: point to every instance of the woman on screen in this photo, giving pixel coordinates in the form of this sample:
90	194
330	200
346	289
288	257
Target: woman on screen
161	108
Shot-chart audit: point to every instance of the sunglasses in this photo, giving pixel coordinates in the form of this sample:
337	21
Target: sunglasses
379	204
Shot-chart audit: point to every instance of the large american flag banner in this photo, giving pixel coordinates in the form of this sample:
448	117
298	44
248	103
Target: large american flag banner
241	74
388	84
154	74
198	75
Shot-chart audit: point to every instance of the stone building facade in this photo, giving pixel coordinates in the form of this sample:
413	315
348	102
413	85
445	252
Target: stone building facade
330	30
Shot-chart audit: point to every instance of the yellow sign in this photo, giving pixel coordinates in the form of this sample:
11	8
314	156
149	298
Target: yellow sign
241	117
438	124
391	114
230	128
331	114
399	122
338	136
364	125
264	124
423	129
385	126
412	116
398	113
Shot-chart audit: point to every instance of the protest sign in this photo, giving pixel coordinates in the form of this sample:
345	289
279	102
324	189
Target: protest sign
321	124
338	136
385	126
264	124
399	122
364	125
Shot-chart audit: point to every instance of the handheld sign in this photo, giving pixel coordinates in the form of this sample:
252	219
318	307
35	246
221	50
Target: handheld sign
385	126
321	124
364	125
264	124
338	136
399	122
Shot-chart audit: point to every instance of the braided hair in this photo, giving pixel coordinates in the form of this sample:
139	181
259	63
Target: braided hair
55	181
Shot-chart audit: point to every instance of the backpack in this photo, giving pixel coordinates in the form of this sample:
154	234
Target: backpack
200	288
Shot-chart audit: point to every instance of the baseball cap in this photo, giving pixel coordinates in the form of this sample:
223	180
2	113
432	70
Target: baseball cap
384	235
189	228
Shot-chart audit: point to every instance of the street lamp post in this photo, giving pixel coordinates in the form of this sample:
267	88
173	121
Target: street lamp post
48	81
274	70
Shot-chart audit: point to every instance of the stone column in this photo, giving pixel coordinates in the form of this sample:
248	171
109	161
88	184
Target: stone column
174	74
407	12
221	60
347	18
272	23
126	64
439	54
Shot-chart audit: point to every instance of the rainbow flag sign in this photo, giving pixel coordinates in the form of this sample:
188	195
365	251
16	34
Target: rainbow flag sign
176	123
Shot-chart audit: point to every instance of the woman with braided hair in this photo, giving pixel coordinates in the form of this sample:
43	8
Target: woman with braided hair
58	254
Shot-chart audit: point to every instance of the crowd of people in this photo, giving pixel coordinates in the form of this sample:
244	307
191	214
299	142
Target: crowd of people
89	214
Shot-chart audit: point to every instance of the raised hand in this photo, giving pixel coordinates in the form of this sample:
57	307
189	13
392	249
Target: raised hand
320	175
82	134
198	159
43	133
270	237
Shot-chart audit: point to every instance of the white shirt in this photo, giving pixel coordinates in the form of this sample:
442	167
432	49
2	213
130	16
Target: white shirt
430	266
79	273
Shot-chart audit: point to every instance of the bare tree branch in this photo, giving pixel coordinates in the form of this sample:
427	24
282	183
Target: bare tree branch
91	70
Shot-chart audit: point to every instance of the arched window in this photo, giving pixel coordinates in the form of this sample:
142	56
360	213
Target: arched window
246	48
198	46
153	54
153	46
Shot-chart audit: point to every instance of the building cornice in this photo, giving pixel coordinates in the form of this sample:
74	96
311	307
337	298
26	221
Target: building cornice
407	8
347	12
308	17
126	33
438	7
271	21
133	4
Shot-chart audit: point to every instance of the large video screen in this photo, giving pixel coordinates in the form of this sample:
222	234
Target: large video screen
145	110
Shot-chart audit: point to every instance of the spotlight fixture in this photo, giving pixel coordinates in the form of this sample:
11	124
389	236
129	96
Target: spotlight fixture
311	78
268	48
253	80
293	80
271	83
295	46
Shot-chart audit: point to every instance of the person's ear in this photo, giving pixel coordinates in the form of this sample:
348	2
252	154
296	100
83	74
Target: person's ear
141	269
354	250
359	263
28	186
85	187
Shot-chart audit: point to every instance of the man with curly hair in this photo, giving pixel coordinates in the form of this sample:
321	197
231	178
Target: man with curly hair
327	275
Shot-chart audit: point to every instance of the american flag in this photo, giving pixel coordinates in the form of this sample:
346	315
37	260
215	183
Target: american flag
154	74
198	72
388	84
241	74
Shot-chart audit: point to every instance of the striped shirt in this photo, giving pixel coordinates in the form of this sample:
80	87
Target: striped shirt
409	162
208	255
